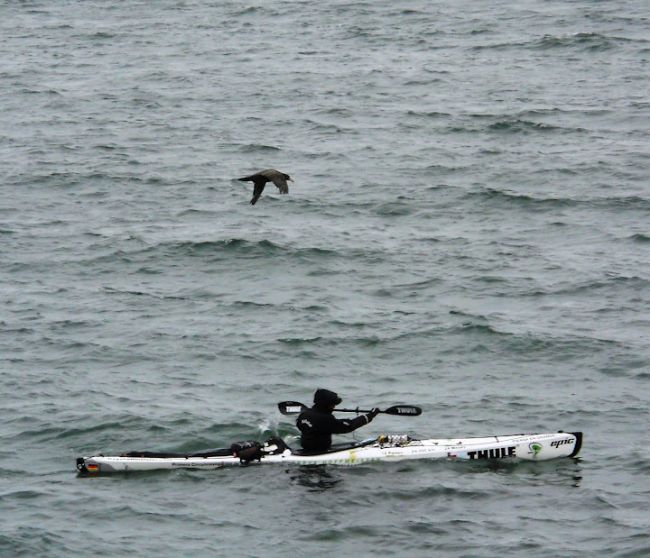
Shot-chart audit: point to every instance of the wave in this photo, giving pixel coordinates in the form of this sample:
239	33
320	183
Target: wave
19	494
195	249
521	200
101	35
393	209
370	341
85	179
40	91
523	126
589	42
558	111
507	125
227	248
113	291
436	491
623	202
526	344
247	11
433	114
531	201
420	285
336	111
49	433
583	41
633	283
31	540
257	148
399	338
481	329
229	245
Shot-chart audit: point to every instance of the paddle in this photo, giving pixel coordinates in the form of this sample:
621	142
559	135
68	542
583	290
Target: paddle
293	408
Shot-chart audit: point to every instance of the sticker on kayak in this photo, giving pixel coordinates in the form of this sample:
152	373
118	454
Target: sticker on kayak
535	448
92	467
293	409
497	453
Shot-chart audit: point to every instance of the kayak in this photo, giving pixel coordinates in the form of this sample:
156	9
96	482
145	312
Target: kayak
510	447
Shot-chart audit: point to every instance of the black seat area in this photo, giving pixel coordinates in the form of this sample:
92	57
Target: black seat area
334	448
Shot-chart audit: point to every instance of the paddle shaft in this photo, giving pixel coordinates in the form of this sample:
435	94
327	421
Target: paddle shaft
294	407
355	411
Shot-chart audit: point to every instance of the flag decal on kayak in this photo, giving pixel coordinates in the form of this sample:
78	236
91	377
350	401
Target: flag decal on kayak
92	467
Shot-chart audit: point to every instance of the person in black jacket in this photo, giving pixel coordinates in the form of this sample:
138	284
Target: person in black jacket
317	424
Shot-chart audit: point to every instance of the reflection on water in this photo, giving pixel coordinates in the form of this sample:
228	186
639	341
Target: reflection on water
317	478
569	472
566	472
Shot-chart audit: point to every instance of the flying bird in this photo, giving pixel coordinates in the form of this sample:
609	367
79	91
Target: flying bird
259	179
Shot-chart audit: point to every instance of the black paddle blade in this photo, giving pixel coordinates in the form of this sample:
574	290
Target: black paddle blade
291	407
403	410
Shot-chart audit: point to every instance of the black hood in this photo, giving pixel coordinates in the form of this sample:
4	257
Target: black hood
325	398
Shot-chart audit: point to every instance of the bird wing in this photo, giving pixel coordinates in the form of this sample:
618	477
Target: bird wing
257	191
281	183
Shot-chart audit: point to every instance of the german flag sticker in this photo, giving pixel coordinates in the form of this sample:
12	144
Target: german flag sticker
92	467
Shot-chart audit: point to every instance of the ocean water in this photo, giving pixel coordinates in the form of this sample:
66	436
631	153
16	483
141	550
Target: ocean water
468	230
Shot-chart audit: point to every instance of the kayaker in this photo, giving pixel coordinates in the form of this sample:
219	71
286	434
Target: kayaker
317	424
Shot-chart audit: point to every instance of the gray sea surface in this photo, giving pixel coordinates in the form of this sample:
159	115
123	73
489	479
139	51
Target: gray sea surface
468	230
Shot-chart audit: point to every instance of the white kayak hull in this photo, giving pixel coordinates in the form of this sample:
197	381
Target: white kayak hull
529	447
